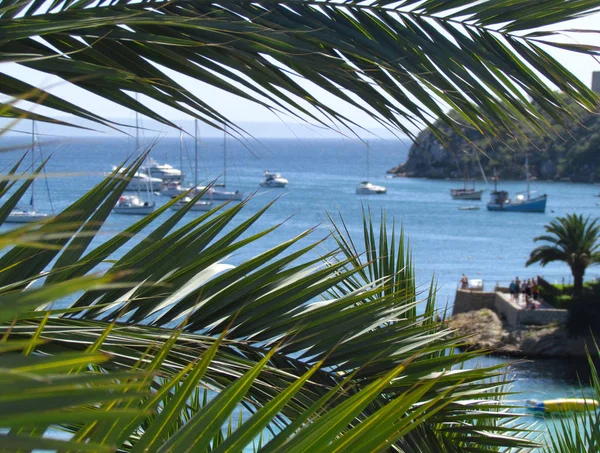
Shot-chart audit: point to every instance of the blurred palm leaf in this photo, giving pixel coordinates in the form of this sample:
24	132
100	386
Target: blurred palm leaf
328	345
396	61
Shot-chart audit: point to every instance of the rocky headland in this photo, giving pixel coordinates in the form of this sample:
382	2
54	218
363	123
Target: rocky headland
568	152
483	329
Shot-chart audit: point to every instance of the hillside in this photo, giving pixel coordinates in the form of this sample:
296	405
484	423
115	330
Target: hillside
569	153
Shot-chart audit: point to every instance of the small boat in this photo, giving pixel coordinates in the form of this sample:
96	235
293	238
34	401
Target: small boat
132	204
172	189
366	188
523	202
18	215
273	180
563	405
469	208
164	172
466	194
216	194
21	215
197	206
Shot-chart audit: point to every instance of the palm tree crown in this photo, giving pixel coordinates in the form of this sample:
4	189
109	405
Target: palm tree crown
572	239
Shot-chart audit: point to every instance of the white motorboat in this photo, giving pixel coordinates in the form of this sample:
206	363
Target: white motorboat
218	194
165	172
132	204
197	206
141	182
366	188
273	180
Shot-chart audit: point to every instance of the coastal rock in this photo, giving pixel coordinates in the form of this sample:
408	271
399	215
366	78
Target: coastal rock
483	329
563	152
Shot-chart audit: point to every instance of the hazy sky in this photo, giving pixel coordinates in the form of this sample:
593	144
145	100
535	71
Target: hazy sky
240	110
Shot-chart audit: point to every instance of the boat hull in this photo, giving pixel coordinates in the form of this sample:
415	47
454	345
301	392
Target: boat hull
25	217
198	206
461	194
134	210
140	185
563	405
537	204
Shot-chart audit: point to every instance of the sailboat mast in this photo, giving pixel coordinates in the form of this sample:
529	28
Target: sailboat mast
137	143
181	152
368	148
196	153
32	164
527	174
225	155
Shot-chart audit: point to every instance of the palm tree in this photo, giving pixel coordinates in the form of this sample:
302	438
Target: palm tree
401	62
571	239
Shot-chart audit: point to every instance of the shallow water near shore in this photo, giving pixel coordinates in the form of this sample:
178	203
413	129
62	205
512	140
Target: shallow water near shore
445	241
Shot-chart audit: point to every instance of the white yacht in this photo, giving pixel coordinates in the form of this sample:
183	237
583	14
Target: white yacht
141	182
366	188
197	206
132	204
273	180
164	172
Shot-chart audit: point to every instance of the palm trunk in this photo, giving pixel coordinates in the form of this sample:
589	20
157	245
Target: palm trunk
578	274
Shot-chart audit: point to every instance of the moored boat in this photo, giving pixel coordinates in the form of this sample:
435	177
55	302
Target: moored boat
164	172
197	206
23	216
366	188
273	179
563	405
132	204
523	202
466	194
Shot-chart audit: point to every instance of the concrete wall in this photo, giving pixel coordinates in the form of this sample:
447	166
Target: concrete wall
508	310
467	300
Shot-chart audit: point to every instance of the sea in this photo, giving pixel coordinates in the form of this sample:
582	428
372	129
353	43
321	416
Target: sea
323	173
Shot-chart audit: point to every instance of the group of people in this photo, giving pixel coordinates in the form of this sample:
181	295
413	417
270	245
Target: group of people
527	291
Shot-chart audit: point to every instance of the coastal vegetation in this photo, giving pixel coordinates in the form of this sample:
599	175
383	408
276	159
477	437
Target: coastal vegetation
150	341
563	151
572	240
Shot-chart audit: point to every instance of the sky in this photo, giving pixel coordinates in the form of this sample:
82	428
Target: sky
258	120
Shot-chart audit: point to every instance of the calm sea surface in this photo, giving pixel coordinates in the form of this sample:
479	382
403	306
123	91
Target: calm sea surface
323	174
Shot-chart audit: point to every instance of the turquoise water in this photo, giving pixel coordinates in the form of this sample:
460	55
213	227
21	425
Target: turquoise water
445	241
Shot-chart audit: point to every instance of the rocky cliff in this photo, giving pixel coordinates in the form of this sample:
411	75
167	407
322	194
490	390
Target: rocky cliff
564	152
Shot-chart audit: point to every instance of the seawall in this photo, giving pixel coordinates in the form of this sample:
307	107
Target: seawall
511	312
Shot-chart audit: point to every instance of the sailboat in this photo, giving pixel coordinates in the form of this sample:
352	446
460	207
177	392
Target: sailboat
214	193
198	205
523	202
173	188
365	187
466	193
20	215
133	204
